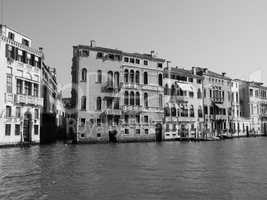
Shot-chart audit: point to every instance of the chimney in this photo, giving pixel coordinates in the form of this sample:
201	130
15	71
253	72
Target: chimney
92	43
41	49
152	53
223	73
194	70
205	70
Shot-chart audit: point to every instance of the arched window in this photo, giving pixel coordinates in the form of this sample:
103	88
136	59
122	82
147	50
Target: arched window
166	89
173	111
137	99
84	74
145	99
126	76
99	76
145	78
126	98
200	112
110	78
132	98
192	113
172	90
132	76
137	77
199	94
98	103
167	111
184	111
116	79
160	79
83	103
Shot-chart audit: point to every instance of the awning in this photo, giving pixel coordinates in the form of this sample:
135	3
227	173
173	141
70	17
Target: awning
185	87
220	106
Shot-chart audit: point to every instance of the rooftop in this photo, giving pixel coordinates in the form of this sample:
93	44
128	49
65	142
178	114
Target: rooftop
120	52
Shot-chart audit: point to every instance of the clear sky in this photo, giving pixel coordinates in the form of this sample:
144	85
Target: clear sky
225	36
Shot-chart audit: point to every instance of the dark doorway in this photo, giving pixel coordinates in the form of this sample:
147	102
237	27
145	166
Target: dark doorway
158	132
247	131
265	129
27	127
112	136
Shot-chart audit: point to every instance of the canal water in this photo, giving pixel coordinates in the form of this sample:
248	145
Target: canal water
230	169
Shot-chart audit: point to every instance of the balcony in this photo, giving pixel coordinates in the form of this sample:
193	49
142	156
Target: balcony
153	109
109	87
30	100
217	100
134	108
221	117
110	111
9	98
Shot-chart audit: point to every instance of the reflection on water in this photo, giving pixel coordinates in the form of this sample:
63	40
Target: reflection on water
232	169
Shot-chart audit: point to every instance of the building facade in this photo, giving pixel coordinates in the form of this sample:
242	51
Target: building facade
20	78
118	96
217	101
183	104
49	111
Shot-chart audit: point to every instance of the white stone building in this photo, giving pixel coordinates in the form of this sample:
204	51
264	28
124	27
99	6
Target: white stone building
20	78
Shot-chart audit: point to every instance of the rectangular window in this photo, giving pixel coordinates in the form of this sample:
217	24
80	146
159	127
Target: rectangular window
8	129
137	61
11	36
25	42
137	131
190	79
199	81
126	59
36	129
146	131
137	117
35	90
19	86
251	92
18	112
146	119
126	118
8	111
160	65
28	88
17	129
131	60
126	131
9	84
36	114
145	62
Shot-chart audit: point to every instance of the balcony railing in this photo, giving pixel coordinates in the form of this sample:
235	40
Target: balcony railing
217	100
31	100
111	111
132	108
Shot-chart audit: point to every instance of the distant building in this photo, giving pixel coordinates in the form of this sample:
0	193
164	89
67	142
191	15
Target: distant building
53	110
183	104
20	78
253	103
217	101
117	95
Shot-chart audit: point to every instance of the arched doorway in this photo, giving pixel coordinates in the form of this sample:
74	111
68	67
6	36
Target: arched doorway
158	132
27	127
112	136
